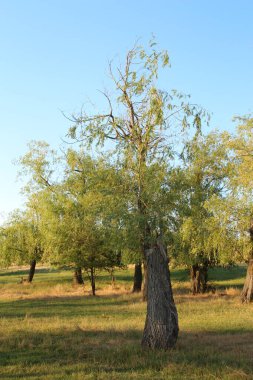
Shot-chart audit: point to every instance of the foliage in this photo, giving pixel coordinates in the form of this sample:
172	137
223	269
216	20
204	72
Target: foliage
79	211
235	214
21	238
206	172
141	124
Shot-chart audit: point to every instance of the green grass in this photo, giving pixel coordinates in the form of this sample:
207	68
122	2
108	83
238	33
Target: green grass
54	330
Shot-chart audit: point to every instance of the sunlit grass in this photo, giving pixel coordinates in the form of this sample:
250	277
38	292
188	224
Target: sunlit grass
53	330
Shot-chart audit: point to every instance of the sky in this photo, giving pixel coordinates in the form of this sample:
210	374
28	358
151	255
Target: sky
54	57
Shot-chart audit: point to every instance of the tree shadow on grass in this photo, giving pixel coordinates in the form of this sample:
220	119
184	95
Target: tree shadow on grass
123	276
24	272
107	351
226	274
180	275
64	307
88	306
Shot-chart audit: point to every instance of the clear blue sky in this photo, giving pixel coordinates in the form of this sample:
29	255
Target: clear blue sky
54	55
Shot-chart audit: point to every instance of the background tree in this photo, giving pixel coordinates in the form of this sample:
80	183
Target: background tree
241	187
82	224
206	173
22	241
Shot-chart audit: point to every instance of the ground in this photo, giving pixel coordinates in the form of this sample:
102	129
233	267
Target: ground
53	330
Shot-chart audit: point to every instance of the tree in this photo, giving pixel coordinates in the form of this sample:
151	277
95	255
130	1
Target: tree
80	216
80	211
241	185
22	241
207	168
139	123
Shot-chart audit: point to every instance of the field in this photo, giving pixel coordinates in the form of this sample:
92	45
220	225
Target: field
52	329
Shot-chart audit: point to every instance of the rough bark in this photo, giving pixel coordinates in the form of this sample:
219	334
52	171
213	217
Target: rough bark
198	278
161	326
247	293
78	278
137	278
31	271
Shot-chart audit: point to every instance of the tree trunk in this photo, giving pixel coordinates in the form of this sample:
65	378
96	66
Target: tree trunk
137	278
112	278
198	278
92	281
145	282
247	293
78	278
161	326
31	271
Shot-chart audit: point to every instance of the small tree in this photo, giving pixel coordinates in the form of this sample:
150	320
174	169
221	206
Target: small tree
80	211
82	226
22	241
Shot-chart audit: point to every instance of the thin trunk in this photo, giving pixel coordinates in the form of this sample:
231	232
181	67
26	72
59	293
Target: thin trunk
137	278
145	282
92	281
199	278
161	327
31	271
144	230
112	278
247	293
78	278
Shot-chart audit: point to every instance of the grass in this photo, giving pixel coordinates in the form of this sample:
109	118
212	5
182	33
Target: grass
53	330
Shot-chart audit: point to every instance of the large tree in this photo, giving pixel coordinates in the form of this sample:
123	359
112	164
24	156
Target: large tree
140	123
